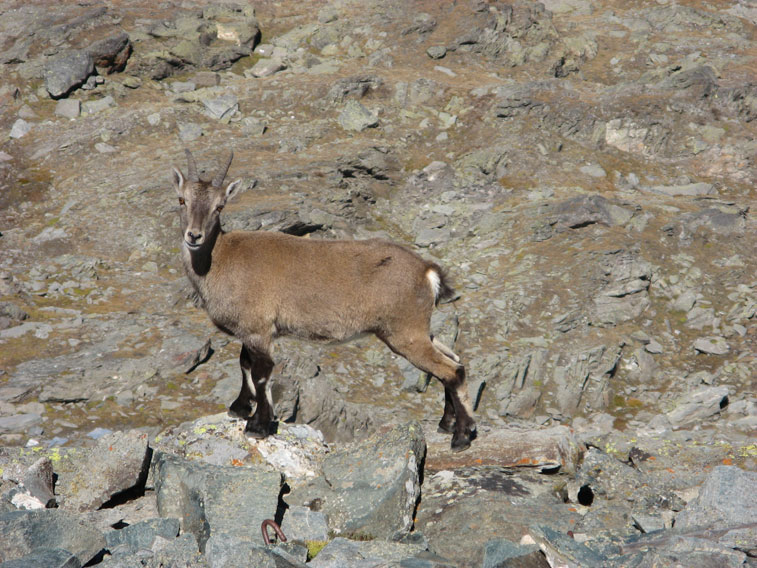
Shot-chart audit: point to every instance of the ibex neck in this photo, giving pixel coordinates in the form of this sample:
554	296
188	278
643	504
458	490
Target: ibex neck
199	261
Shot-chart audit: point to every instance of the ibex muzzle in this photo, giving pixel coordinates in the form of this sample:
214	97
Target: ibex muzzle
260	285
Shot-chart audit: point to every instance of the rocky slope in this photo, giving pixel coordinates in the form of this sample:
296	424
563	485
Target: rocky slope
585	171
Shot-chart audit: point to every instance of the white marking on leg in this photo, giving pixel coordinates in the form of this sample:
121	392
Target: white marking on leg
269	397
445	350
248	379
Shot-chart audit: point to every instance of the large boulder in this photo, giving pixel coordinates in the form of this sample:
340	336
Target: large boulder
216	503
118	463
27	532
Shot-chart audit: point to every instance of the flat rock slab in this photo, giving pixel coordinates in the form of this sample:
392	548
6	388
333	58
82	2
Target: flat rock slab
118	462
547	449
27	532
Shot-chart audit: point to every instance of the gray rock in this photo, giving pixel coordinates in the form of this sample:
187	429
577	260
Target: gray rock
68	108
142	534
224	550
266	68
436	51
214	502
65	73
689	189
38	481
375	484
561	550
604	477
355	117
182	551
715	345
45	558
503	553
342	552
222	108
99	105
118	463
190	131
301	523
19	422
696	406
20	128
727	501
183	86
353	88
593	170
25	532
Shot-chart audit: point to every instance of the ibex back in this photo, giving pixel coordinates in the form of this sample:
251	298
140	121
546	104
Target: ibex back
261	285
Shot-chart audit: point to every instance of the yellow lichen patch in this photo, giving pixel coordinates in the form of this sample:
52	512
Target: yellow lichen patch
314	547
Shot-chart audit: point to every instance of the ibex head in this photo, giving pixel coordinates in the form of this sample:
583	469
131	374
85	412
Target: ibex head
201	201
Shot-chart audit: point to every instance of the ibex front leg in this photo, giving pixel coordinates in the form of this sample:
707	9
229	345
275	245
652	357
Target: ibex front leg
257	364
242	406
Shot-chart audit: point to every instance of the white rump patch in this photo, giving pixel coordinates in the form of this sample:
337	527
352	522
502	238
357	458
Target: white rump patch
434	280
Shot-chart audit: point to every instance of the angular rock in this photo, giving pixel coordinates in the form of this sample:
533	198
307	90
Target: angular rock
727	503
225	550
117	463
712	345
375	484
266	67
99	105
698	405
38	481
222	107
68	108
689	189
601	476
356	117
561	550
342	552
302	523
215	503
111	54
19	422
547	449
503	553
65	73
45	558
20	128
25	532
142	534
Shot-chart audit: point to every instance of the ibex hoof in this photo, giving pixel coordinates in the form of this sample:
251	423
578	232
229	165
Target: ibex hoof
446	427
460	444
253	430
240	410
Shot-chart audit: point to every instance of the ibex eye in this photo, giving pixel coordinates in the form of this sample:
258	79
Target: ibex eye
219	208
181	201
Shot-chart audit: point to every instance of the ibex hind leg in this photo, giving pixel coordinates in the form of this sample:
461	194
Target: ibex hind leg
261	365
421	352
447	423
242	406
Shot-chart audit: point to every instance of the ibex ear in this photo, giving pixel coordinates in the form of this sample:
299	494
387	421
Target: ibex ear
233	188
178	181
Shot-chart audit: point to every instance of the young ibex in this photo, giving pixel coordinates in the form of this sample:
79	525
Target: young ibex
260	285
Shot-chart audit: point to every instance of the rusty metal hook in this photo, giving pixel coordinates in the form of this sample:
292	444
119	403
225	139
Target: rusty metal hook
276	528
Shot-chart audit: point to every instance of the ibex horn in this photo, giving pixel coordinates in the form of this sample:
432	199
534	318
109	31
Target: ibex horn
192	171
218	180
